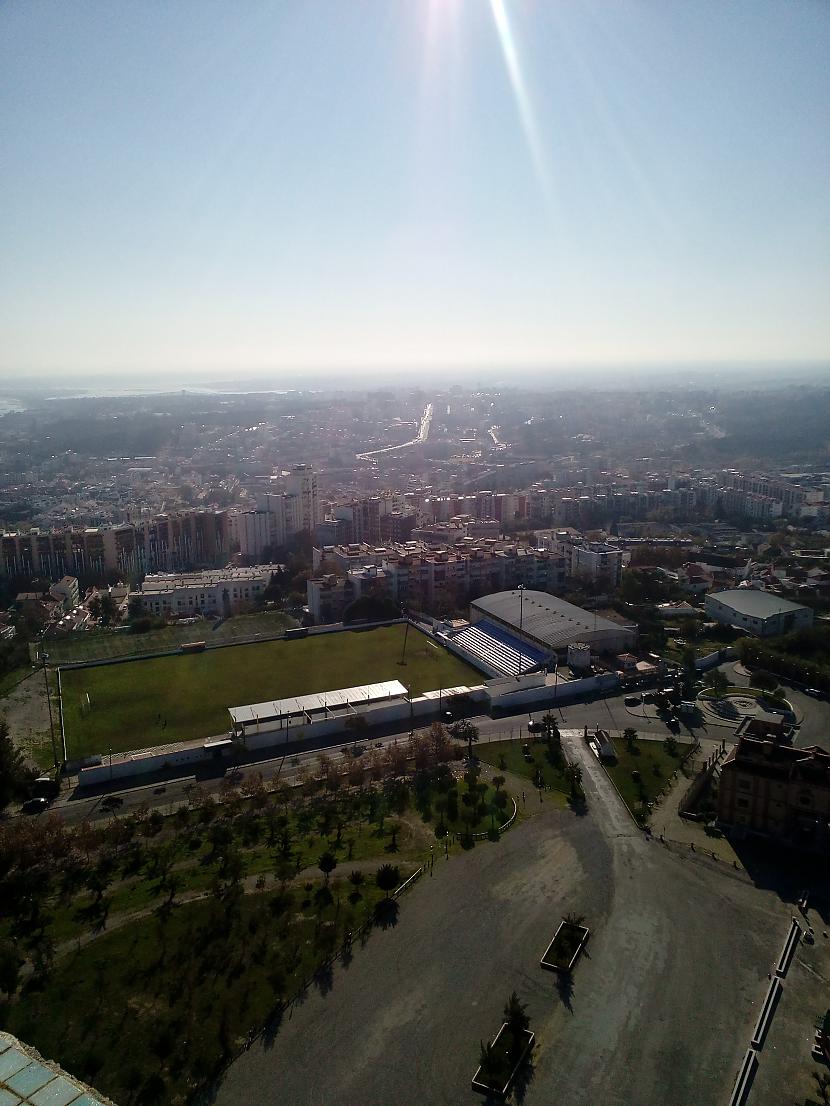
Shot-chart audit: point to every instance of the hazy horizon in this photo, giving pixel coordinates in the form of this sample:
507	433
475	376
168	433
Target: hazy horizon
443	186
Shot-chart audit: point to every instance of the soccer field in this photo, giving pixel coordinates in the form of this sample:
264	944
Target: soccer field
130	703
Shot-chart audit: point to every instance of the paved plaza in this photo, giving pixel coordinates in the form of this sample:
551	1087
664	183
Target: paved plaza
662	1005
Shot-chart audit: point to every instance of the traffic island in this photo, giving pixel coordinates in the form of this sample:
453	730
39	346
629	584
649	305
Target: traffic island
502	1060
563	951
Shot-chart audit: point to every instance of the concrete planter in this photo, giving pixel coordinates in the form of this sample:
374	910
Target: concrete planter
484	1088
568	936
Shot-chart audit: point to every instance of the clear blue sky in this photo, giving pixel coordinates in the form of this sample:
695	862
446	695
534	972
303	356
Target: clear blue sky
201	186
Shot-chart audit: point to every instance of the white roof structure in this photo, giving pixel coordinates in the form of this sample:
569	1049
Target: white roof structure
755	604
321	702
551	621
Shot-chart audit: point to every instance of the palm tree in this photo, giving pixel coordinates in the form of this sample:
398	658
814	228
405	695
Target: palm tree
515	1016
327	863
489	1071
387	878
630	738
465	731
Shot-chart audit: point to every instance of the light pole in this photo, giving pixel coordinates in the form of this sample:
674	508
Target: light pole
405	634
45	657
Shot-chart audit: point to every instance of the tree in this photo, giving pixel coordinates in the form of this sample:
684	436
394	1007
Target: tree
464	730
15	775
109	609
135	606
515	1015
688	658
327	863
387	877
573	774
440	805
489	1069
630	738
550	727
356	879
717	682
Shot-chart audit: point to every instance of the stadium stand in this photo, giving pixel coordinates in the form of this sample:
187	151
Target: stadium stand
507	654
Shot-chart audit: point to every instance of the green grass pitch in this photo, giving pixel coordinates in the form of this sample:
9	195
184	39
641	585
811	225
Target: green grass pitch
129	702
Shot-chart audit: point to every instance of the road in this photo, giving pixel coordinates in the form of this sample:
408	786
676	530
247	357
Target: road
660	1008
420	437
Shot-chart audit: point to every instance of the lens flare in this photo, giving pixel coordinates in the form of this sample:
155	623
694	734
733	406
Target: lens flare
524	105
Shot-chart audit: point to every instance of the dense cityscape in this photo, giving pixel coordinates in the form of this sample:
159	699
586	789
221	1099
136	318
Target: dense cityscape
545	585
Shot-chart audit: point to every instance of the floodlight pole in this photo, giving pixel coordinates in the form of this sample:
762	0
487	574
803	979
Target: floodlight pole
45	657
405	635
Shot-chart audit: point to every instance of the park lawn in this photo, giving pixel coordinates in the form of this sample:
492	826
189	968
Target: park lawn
183	991
508	755
130	702
105	643
655	765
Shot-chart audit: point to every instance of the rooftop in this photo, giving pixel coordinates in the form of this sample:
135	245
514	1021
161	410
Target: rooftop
756	604
545	617
321	701
26	1079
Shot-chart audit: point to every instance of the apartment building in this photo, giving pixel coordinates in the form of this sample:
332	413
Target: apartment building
168	542
778	792
597	562
164	542
429	579
220	591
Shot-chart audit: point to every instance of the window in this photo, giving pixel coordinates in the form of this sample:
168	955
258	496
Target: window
743	802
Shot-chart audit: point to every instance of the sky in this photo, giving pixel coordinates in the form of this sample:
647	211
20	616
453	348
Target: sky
388	185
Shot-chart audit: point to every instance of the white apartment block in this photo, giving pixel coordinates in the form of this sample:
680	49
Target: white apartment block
219	591
595	561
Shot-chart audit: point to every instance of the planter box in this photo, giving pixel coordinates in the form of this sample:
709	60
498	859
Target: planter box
563	951
510	1072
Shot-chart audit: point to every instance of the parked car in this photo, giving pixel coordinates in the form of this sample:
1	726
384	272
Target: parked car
534	726
35	806
814	692
632	700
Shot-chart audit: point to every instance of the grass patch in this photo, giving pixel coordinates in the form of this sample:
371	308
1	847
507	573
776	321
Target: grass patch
508	756
185	990
130	702
653	764
11	679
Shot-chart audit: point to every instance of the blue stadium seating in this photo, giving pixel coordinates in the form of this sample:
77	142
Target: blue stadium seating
499	648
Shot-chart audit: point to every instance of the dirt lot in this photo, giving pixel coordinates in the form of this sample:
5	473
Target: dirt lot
27	714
